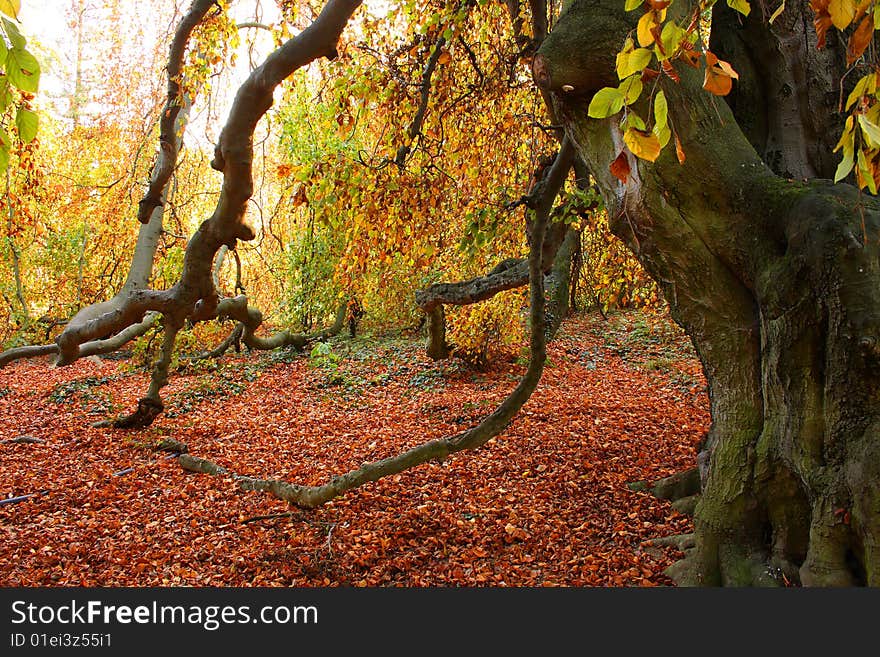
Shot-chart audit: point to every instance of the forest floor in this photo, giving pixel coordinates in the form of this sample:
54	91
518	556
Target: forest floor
544	503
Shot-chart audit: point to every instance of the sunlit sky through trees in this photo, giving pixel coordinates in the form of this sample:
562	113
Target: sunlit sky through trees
48	26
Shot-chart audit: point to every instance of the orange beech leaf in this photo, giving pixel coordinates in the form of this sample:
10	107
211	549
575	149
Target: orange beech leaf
679	151
719	77
620	167
670	71
821	20
859	40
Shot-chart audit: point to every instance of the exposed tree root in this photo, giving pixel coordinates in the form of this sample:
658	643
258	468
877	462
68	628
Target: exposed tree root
147	411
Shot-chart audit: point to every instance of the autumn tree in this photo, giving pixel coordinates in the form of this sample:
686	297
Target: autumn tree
770	267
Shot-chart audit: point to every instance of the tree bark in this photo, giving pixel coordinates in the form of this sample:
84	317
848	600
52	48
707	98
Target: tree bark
788	95
776	283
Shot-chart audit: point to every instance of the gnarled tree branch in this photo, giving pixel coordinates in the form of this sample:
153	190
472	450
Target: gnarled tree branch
492	425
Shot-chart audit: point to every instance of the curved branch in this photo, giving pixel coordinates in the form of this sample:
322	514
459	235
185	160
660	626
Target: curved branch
93	348
313	496
168	129
415	126
27	351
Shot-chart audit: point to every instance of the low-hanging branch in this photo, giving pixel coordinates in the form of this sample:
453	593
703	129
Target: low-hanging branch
93	348
415	126
508	274
492	425
168	135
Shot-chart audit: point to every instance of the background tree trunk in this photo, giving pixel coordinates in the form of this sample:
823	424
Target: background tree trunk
776	283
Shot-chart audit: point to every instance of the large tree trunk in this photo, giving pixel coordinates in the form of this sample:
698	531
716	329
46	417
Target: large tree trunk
776	282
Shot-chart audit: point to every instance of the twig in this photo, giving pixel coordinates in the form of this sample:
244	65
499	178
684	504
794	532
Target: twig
271	516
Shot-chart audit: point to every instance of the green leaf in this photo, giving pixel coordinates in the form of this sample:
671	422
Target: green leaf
27	123
607	102
661	119
845	166
633	4
10	7
661	109
23	70
664	134
632	120
870	130
742	6
5	95
631	88
4	150
671	38
632	61
15	37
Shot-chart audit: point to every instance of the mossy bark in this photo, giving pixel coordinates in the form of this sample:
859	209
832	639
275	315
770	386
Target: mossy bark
776	282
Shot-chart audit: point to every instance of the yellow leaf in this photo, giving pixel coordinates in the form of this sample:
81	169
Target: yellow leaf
864	87
778	12
870	131
742	6
647	23
865	173
644	145
847	137
842	12
10	7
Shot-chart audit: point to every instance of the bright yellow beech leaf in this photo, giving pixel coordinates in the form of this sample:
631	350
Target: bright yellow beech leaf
644	145
646	24
778	12
10	7
870	131
742	6
842	12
